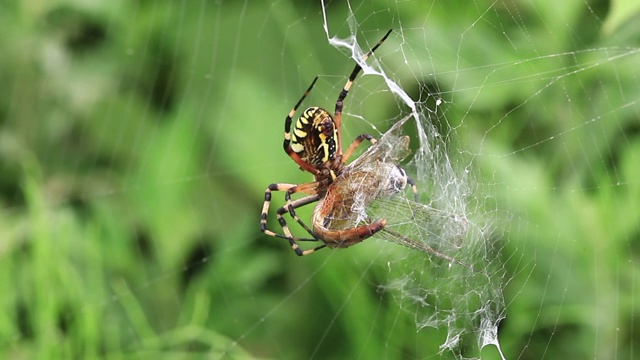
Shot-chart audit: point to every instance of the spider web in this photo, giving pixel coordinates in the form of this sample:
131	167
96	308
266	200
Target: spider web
137	139
459	286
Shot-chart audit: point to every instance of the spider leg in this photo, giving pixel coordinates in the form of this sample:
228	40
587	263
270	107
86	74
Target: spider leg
414	189
265	211
308	188
357	143
287	134
289	208
345	90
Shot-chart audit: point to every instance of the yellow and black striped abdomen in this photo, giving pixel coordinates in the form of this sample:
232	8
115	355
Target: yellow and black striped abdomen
314	136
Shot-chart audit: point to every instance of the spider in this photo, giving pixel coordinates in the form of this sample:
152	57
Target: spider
316	146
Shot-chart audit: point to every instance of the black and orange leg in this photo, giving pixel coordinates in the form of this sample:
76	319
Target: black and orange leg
414	188
290	189
337	118
265	210
287	133
290	205
290	208
357	143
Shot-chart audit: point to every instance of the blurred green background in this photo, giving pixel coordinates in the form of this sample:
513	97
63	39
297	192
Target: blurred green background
137	138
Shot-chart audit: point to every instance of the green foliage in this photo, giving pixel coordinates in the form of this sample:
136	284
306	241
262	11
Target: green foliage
137	138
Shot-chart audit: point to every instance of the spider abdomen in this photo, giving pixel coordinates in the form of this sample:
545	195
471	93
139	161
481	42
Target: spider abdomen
314	137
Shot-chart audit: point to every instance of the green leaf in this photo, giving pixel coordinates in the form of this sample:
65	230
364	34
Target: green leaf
621	11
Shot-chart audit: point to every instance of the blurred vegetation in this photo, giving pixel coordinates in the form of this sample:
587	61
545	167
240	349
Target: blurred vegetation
137	137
